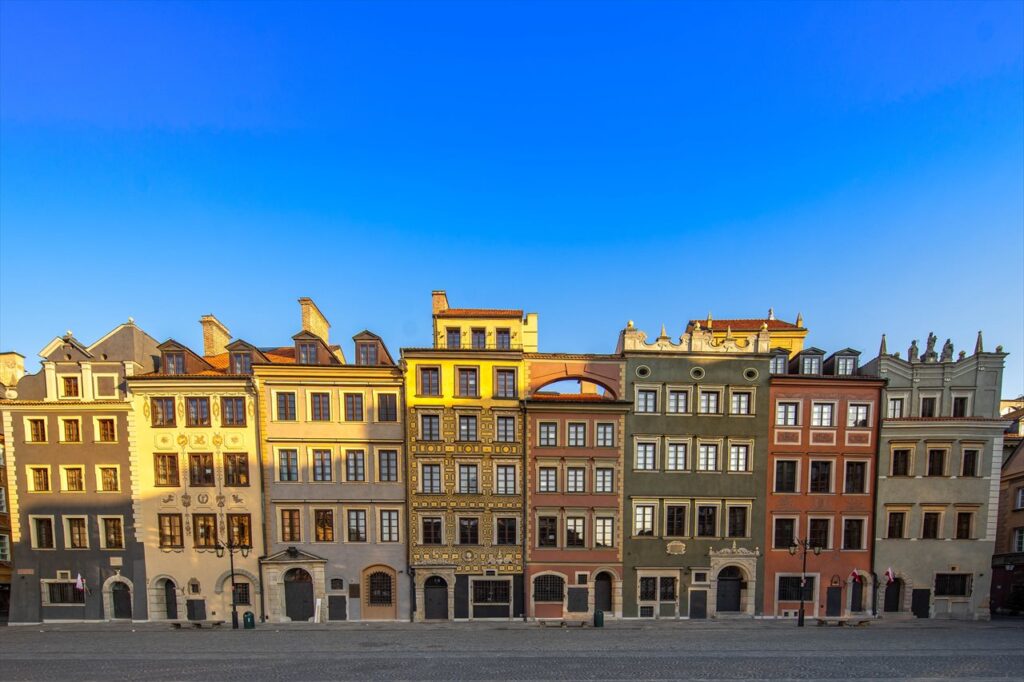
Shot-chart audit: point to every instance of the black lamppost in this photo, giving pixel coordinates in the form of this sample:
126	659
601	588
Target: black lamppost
803	546
231	548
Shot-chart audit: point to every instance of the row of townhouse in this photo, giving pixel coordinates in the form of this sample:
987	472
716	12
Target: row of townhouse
479	478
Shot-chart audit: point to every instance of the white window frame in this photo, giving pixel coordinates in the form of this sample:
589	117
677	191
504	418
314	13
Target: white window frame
30	481
598	532
852	423
831	529
749	446
499	483
653	388
96	429
66	528
782	417
32	518
423	479
61	421
103	532
599	440
672	462
819	412
653	443
652	505
543	481
889	404
686	392
799	474
708	391
864	530
700	458
598	486
570	485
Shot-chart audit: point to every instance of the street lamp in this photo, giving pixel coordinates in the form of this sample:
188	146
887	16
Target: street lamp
231	548
803	546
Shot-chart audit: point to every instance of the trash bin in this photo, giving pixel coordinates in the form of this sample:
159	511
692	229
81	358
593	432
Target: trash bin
249	620
598	619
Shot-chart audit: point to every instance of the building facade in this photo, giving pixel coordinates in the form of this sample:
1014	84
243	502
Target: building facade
1008	560
67	429
822	446
940	454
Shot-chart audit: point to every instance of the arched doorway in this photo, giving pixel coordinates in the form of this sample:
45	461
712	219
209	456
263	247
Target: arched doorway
298	595
893	596
857	596
170	600
729	583
435	598
379	599
121	597
603	592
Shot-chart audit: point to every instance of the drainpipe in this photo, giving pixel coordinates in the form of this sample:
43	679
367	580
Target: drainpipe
263	495
412	594
526	509
874	497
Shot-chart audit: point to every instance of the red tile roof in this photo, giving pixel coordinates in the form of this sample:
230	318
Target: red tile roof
752	325
479	312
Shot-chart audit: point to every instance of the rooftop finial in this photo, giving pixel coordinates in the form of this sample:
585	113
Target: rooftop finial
882	350
771	313
728	332
799	319
663	330
709	319
131	320
629	325
978	346
764	326
68	333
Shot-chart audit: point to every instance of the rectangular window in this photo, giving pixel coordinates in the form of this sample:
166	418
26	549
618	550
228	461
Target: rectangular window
110	482
322	469
964	521
896	524
320	404
678	402
430	381
895	408
577	435
467	428
389	525
821	476
239	530
645	456
357	525
288	465
928	407
74	479
431	478
430	427
387	466
647	401
72	431
507	531
366	353
605	435
506	479
286	407
506	429
857	415
675	459
604	480
741	403
936	462
856	478
468	384
291	529
240	594
37	430
478	338
162	411
574	532
547	531
165	471
506	383
204	531
1018	540
737	522
70	387
198	412
822	414
604	532
65	593
174	363
666	589
353	407
200	469
78	535
648	588
900	463
323	525
387	407
960	407
969	467
789	588
40	479
930	525
307	354
355	466
241	363
810	364
779	364
707	521
170	531
232	411
44	533
853	534
818	532
739	458
643	520
952	584
709	402
845	365
786	414
575	478
548	480
785	533
469	531
675	520
503	339
431	534
707	457
236	469
468	479
548	434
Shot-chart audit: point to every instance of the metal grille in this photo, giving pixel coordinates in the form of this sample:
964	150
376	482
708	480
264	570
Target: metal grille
548	588
491	592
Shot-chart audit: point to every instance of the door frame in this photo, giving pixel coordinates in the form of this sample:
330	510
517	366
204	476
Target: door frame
312	592
448	589
108	597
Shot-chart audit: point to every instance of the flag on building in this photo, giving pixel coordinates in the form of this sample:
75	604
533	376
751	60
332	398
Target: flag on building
855	576
80	583
890	575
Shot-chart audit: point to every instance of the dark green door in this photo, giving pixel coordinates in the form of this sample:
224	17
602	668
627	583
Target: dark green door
834	602
122	598
298	595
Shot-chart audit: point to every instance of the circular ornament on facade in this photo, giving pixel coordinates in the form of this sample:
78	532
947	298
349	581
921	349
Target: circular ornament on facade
751	374
202	498
468	555
643	371
697	372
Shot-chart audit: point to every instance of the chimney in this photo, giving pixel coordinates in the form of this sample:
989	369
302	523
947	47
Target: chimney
215	335
12	368
439	299
313	321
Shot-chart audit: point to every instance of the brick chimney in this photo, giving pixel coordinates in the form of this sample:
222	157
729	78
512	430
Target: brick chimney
313	320
215	335
439	300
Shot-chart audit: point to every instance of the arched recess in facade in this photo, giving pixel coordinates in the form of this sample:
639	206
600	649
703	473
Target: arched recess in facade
863	588
108	595
160	601
379	593
544	370
615	588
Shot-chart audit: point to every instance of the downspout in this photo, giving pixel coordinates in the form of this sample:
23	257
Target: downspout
874	498
526	509
263	505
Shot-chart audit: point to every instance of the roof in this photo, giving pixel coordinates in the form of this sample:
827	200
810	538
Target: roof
745	325
479	312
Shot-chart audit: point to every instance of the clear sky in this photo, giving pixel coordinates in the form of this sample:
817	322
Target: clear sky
594	162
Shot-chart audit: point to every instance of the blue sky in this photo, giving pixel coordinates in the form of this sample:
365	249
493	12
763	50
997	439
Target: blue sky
594	162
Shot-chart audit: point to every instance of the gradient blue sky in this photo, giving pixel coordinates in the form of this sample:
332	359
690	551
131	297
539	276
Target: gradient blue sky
593	162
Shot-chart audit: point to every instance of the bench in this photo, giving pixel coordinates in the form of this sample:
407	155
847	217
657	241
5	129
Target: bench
843	621
197	624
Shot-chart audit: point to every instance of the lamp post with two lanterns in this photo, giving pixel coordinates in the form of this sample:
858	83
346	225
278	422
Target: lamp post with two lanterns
231	548
803	546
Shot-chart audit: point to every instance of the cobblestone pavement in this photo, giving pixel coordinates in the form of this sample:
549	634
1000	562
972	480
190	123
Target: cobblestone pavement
515	651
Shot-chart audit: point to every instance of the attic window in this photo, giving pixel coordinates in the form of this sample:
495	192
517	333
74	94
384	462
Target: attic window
174	363
779	363
810	364
241	363
845	365
366	353
307	353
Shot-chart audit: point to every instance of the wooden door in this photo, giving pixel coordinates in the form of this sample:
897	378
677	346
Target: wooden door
121	595
435	599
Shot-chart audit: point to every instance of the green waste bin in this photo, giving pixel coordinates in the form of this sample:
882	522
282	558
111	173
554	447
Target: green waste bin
249	620
598	619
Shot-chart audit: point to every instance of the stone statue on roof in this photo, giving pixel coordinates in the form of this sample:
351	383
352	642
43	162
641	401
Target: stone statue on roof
947	352
929	352
912	351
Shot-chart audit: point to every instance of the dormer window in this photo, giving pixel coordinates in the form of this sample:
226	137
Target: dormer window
453	338
366	353
70	387
241	363
307	353
779	363
846	365
810	364
174	363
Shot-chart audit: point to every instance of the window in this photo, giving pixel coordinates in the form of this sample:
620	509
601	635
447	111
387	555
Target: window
240	594
320	404
548	480
430	381
1018	540
739	458
952	584
1020	499
675	520
355	466
37	430
604	480
741	403
467	428
822	414
232	411
72	431
44	533
241	363
707	521
709	402
77	533
468	479
577	435
389	525
737	522
960	406
387	407
901	462
506	431
170	530
65	593
469	531
162	410
936	462
507	533
896	524
286	407
3	500
478	338
779	364
110	481
675	459
605	435
174	363
506	479
307	353
574	532
853	534
287	465
547	531
430	427
707	457
323	525
810	364
857	415
236	469
70	387
431	531
785	533
322	470
548	588
548	434
646	401
387	466
204	531
845	365
291	529
930	525
969	466
40	479
503	339
165	471
575	480
74	479
604	532
856	478
113	533
198	412
200	469
357	525
491	591
821	476
431	478
645	456
648	588
928	407
785	414
789	588
818	531
239	530
643	520
366	353
666	589
353	407
678	402
964	521
468	385
506	383
895	408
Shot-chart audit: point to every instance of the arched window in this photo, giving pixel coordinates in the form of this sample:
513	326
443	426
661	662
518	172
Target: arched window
337	584
548	588
381	589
